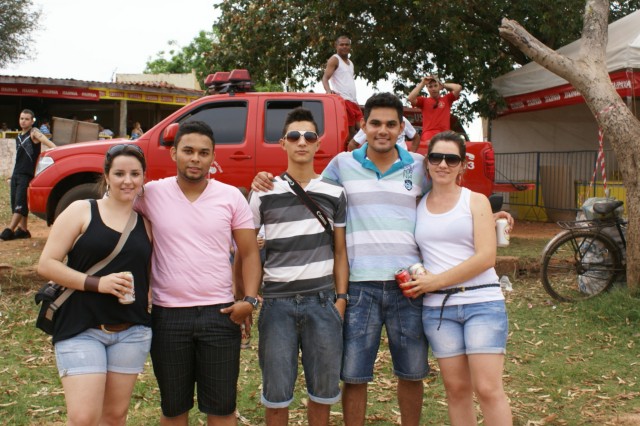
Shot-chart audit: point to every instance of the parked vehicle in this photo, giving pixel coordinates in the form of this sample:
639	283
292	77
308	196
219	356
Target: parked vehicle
247	127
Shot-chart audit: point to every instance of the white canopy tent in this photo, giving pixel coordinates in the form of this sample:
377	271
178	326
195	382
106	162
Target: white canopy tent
547	123
545	113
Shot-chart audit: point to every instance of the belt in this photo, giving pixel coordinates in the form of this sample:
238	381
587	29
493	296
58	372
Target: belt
114	328
454	290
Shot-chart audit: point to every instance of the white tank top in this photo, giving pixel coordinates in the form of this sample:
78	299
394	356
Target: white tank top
342	81
445	241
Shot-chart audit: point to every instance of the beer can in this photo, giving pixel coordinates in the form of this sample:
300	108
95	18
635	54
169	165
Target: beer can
402	276
417	269
502	235
128	297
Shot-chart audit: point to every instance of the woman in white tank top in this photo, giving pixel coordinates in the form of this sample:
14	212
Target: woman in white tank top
464	315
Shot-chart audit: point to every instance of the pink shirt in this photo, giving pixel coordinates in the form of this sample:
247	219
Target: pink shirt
190	262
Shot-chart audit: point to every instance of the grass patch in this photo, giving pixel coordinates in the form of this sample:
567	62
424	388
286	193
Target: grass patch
567	364
524	248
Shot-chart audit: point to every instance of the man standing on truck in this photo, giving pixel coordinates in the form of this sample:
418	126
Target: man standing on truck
28	147
305	279
195	321
340	73
436	109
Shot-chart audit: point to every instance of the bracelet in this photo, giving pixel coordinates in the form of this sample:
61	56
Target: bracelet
91	283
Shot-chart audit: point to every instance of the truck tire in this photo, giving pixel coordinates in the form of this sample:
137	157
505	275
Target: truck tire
80	192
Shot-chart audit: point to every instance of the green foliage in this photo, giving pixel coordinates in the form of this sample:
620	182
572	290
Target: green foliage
18	20
403	39
195	56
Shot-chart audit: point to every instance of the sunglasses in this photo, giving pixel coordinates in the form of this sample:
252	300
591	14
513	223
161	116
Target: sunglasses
122	147
452	160
294	136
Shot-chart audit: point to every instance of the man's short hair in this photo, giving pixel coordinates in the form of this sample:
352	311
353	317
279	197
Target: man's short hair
383	100
195	126
28	111
343	37
299	114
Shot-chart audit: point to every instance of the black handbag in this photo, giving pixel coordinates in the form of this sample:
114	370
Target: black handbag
53	295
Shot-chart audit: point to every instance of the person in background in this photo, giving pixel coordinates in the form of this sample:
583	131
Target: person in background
45	128
104	133
137	131
4	128
464	314
409	133
196	323
305	280
101	345
28	146
436	109
340	73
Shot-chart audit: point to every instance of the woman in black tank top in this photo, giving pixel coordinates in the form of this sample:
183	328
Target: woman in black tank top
101	337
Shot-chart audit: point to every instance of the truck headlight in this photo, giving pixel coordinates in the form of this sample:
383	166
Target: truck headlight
43	164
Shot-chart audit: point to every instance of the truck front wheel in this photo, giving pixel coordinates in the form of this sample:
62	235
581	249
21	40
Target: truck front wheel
80	192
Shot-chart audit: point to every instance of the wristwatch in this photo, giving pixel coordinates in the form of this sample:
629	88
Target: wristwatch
252	300
344	296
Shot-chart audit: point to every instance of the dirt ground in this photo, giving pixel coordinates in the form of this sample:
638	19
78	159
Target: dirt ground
528	229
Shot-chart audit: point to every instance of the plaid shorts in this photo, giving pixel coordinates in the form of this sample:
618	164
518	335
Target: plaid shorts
196	345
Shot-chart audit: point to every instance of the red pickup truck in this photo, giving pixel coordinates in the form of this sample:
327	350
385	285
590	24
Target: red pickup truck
247	127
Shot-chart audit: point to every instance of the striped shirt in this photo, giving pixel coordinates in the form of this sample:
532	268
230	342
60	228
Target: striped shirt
381	212
299	253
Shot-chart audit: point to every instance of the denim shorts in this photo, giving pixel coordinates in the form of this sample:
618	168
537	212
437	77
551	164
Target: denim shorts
95	352
192	345
311	324
476	328
371	305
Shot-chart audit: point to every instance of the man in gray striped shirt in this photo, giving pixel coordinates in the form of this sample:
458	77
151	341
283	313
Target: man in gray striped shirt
305	280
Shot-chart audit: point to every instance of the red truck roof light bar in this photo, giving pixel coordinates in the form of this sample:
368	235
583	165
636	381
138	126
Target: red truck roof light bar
236	81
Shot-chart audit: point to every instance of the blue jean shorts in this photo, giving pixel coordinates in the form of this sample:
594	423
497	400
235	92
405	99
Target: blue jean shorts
95	352
307	323
371	305
476	328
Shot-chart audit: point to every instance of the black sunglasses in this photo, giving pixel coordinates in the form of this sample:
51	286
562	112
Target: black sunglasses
294	136
452	160
128	148
117	149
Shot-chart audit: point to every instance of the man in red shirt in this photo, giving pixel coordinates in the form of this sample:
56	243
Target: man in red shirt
436	109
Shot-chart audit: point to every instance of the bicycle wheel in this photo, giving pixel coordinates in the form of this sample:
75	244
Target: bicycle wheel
579	264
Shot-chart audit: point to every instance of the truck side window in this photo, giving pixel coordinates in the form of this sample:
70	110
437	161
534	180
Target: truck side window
227	119
276	112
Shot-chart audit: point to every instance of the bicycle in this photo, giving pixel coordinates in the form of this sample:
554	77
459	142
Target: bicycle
585	259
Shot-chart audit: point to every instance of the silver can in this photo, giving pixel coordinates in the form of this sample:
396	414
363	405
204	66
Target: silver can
129	298
417	269
502	232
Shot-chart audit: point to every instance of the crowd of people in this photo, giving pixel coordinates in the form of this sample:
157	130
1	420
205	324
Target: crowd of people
331	243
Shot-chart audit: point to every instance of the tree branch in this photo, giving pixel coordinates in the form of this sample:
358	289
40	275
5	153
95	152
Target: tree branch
513	32
595	31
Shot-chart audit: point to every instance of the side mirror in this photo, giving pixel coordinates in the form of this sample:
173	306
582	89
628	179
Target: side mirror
169	134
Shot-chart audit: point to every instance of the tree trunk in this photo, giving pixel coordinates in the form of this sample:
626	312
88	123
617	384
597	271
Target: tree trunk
588	74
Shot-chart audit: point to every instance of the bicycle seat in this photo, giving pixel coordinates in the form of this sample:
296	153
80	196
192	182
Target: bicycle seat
606	207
